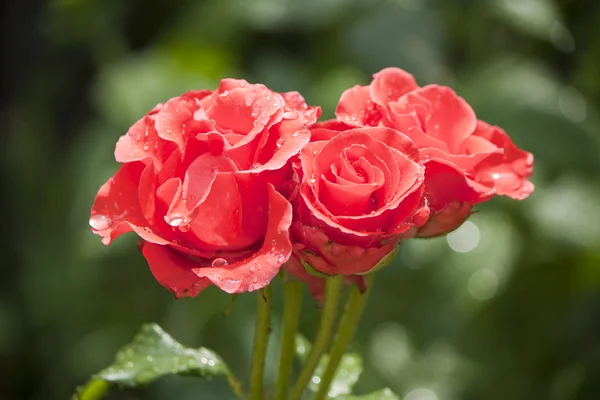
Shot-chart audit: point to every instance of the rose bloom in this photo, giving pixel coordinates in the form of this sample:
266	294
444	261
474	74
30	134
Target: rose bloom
467	161
359	190
200	184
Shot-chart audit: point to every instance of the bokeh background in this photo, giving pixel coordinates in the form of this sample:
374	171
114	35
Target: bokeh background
507	307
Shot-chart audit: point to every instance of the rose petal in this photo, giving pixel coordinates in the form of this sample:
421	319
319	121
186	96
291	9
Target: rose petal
391	83
171	120
445	183
116	209
356	107
146	193
508	171
444	221
395	140
286	145
258	270
297	102
340	259
245	111
217	220
347	199
467	162
327	130
450	118
174	271
140	142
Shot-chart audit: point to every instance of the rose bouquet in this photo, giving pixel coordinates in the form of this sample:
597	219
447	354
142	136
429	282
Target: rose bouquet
236	186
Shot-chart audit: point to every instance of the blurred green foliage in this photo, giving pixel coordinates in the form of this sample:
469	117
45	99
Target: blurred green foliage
507	307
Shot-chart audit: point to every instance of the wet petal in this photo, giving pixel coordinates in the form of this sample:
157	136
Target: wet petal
258	270
356	107
171	120
350	199
116	209
217	220
445	183
140	142
245	111
390	84
508	171
450	118
444	221
174	271
341	259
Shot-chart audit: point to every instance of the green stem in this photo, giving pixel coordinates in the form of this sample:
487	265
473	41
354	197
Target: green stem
236	386
349	321
291	317
261	338
95	389
333	289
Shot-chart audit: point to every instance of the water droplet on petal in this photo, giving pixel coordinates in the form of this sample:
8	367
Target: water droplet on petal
175	220
255	279
281	259
184	228
259	267
252	268
254	166
250	287
495	176
219	262
146	146
100	222
279	142
295	134
312	181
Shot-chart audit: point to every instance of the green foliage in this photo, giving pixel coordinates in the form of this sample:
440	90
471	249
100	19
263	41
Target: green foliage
151	355
345	378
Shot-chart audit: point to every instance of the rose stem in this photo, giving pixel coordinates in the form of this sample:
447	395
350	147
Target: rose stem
291	317
261	338
352	313
333	289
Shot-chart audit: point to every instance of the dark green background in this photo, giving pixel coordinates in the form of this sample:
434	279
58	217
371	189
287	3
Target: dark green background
518	317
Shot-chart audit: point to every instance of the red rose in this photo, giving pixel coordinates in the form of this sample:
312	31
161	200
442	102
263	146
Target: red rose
200	183
360	190
466	161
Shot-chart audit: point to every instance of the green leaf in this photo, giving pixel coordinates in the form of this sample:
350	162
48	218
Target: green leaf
346	376
151	355
383	394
